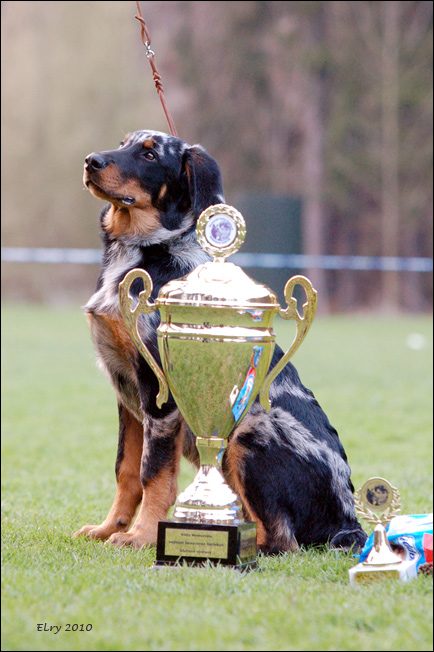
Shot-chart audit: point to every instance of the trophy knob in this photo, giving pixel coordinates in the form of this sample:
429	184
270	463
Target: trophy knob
377	501
221	230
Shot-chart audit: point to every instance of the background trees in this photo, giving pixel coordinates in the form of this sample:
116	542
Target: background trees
330	102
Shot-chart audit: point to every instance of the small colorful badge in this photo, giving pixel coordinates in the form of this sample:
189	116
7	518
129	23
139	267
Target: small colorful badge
249	382
256	314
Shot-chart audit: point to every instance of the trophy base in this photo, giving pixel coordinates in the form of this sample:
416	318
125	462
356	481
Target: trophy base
194	544
404	570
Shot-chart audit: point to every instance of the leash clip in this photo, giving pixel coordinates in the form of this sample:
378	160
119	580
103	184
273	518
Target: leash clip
149	53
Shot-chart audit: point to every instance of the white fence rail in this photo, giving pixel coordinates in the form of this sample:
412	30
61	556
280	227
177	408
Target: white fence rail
291	261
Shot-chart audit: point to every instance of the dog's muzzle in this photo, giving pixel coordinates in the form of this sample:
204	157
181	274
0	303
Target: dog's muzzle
95	162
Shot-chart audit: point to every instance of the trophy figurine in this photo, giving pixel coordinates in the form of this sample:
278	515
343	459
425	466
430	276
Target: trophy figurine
216	343
378	502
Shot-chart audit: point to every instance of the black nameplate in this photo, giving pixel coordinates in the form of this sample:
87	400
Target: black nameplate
195	543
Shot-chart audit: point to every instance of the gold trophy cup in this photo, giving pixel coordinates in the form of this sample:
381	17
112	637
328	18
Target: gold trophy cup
216	343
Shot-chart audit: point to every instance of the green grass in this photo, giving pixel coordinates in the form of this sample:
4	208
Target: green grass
59	446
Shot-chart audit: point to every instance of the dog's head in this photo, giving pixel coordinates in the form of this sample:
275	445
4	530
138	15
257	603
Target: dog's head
157	186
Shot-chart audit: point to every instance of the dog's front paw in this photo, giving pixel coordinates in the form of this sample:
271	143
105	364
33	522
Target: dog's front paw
101	532
135	539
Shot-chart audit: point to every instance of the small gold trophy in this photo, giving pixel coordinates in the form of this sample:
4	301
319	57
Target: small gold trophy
216	343
378	502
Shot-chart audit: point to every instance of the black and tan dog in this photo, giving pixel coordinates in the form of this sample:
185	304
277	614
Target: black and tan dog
287	465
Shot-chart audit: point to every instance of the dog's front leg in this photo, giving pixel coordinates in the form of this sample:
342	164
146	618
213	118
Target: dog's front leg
129	488
159	476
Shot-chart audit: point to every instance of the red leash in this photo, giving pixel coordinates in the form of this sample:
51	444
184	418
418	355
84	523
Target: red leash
146	39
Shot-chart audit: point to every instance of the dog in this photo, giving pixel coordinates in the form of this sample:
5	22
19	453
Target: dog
288	465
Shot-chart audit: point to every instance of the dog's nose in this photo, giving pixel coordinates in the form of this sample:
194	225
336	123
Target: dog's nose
95	162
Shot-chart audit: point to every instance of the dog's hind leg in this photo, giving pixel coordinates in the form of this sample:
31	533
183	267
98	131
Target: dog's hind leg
296	481
274	527
234	466
129	488
159	474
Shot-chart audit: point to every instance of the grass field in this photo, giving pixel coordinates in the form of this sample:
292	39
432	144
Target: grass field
58	454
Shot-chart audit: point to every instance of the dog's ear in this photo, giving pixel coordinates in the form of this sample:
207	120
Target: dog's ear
203	178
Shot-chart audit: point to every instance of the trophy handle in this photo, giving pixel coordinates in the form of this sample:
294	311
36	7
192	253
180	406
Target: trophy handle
131	317
302	323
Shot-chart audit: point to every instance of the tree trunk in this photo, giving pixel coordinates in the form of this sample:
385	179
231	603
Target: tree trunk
390	151
313	162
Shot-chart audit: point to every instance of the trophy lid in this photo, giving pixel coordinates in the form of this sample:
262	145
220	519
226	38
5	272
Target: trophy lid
220	231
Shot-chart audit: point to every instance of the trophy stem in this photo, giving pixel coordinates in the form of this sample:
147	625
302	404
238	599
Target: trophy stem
209	499
211	451
381	553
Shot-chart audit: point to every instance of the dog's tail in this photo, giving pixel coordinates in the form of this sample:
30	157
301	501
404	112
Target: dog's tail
349	539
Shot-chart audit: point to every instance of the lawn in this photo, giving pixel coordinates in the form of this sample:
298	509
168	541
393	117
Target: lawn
373	376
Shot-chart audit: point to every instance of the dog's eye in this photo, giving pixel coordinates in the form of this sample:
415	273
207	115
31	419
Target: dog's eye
150	156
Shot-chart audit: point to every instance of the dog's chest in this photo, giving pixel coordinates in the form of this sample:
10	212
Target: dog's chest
115	349
117	357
